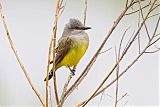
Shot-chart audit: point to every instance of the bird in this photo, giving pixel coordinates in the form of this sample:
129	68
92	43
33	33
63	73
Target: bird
72	45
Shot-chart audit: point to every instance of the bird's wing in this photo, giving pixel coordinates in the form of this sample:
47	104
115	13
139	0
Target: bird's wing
64	46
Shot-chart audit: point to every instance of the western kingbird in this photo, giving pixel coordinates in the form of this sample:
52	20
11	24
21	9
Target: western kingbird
71	46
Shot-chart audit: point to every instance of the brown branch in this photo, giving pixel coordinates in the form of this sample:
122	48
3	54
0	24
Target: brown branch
48	65
126	3
86	70
53	42
123	54
18	58
54	49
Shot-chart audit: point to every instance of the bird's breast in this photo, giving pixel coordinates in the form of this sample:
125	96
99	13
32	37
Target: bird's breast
78	49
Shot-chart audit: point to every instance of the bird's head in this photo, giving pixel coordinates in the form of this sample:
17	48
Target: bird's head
75	26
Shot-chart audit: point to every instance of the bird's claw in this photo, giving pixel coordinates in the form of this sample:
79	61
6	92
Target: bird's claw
72	71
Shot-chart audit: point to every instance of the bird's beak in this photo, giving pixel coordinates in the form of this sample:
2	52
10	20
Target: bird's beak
85	28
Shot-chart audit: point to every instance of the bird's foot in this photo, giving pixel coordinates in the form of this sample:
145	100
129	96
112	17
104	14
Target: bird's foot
72	71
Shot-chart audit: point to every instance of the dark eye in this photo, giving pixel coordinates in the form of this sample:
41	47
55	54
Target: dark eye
76	27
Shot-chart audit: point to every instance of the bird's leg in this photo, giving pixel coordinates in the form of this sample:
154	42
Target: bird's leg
72	70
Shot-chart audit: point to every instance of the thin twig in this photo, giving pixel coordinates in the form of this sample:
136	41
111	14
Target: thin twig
117	73
105	51
126	3
85	13
54	50
122	97
65	88
18	58
154	15
139	42
48	65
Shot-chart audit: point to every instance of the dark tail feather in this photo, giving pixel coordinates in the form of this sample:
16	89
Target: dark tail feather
50	76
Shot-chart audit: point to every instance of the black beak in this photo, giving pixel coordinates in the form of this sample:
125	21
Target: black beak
85	28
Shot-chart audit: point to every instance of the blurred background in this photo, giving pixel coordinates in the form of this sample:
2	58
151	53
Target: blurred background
30	25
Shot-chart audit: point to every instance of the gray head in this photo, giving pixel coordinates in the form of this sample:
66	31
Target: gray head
74	26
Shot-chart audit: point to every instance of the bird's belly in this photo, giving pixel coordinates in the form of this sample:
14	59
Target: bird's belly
75	54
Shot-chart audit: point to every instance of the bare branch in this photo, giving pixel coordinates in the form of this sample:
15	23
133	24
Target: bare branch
126	3
152	51
18	58
153	15
48	65
62	7
54	49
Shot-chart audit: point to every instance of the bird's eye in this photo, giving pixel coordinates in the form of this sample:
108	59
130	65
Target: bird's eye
76	27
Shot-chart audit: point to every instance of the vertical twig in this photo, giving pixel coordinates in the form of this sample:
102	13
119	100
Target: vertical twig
85	13
48	65
117	73
53	42
139	44
54	50
18	58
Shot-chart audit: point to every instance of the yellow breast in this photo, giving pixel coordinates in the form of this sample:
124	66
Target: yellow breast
75	53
